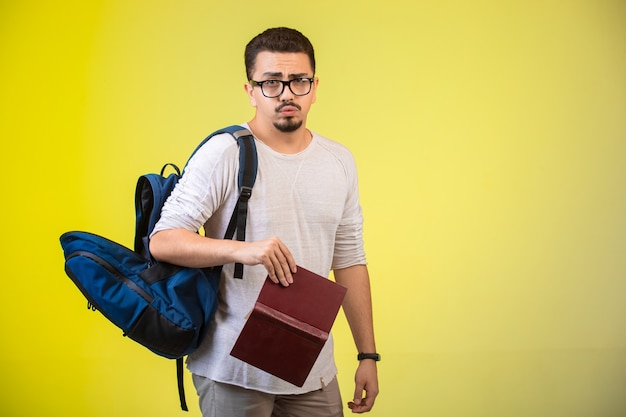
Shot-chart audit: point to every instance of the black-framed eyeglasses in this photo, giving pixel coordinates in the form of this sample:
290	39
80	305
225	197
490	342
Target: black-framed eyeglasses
274	88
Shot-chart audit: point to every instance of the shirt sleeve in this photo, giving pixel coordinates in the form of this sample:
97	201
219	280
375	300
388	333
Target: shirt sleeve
349	247
206	182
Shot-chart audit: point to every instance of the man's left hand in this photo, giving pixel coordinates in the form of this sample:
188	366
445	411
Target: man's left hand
366	380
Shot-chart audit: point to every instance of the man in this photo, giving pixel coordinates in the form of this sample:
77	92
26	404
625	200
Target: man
304	210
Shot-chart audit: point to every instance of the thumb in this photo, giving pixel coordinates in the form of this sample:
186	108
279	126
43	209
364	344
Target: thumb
358	393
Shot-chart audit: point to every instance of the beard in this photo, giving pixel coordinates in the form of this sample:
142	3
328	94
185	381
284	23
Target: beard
288	124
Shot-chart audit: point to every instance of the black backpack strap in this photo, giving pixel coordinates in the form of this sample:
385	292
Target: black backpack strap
181	384
247	176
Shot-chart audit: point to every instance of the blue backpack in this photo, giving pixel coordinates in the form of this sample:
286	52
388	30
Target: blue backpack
164	307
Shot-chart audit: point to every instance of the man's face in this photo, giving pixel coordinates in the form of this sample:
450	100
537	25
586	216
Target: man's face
287	112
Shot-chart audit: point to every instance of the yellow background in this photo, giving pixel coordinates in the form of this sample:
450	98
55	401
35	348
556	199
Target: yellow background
490	138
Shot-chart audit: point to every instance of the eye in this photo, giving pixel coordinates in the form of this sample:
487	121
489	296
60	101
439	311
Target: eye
271	83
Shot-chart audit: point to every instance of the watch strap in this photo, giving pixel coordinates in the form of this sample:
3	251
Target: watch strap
374	356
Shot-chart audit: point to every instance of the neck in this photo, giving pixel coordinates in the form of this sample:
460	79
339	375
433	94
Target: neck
282	142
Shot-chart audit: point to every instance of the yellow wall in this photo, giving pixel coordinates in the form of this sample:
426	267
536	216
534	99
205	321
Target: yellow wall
491	142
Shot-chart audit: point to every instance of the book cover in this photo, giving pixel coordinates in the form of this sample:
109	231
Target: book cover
288	326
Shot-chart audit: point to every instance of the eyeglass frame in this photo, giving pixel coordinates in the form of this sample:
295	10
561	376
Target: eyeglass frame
311	80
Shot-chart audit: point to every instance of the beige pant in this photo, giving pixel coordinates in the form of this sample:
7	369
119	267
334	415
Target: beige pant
225	400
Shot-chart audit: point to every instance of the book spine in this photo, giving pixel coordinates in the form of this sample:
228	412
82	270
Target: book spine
292	324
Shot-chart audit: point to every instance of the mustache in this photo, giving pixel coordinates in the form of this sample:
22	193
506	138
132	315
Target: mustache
288	104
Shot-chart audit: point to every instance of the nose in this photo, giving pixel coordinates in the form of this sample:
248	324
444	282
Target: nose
287	94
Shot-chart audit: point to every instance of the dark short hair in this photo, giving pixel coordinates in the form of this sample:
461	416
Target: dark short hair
279	39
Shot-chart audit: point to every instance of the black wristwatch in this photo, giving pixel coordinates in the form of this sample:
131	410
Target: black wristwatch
374	356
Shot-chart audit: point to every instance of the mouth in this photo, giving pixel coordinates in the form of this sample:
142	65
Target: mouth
288	109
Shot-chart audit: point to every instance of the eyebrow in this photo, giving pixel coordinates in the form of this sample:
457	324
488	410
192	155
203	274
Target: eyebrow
280	75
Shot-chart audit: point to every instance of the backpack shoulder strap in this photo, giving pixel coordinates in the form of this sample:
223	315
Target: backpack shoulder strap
248	165
247	154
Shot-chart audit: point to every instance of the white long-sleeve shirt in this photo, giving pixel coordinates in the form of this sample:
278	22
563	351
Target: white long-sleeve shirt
309	200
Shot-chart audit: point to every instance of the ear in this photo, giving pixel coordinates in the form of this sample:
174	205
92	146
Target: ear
249	91
316	81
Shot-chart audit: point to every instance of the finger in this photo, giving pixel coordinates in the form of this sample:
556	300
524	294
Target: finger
286	264
285	273
271	272
268	263
358	394
280	274
363	406
366	404
289	259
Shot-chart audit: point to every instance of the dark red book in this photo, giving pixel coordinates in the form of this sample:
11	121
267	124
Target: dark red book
288	326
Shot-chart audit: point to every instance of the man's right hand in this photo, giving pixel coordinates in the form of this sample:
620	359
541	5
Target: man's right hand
273	254
185	248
